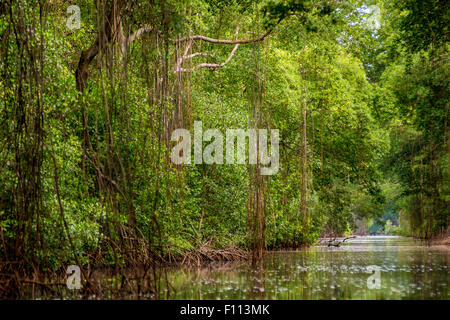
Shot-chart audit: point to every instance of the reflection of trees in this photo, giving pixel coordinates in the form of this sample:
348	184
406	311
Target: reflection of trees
257	285
322	273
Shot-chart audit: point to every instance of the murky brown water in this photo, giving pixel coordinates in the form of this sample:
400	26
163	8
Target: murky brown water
407	270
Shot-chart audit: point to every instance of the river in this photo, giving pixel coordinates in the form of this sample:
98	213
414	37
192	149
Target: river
373	267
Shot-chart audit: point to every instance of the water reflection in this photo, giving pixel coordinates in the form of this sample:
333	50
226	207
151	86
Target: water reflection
408	270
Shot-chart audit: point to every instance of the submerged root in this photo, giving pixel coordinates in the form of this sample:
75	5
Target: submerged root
206	254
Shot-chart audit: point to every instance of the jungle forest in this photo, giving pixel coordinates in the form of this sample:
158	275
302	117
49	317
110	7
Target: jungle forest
351	96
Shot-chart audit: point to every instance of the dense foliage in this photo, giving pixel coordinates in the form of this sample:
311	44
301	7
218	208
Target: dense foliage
358	91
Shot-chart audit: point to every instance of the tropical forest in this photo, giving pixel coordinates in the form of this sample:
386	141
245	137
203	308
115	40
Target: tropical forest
220	149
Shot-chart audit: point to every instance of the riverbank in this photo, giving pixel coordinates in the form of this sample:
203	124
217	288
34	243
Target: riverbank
440	241
205	255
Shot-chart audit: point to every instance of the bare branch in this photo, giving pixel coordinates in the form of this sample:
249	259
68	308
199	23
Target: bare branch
139	32
125	42
218	65
224	41
205	65
182	57
193	55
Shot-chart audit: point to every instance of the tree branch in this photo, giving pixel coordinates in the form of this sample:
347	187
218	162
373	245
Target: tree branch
218	65
205	65
193	55
139	32
224	41
109	30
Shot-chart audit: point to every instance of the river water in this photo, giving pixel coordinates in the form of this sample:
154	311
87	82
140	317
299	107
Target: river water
376	267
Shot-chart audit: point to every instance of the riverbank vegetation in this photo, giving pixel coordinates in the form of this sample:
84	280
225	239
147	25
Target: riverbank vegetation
358	91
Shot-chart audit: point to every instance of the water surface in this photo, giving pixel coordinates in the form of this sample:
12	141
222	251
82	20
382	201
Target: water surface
407	270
